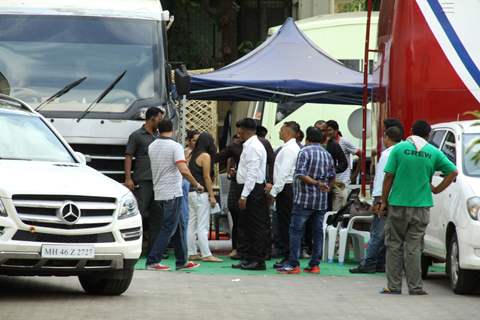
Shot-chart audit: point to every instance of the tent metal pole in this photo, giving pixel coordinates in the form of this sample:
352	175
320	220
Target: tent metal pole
363	160
215	89
182	130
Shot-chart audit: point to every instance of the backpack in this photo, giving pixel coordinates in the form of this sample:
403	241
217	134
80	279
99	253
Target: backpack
353	207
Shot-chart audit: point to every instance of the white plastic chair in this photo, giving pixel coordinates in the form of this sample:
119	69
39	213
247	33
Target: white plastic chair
329	238
359	239
224	186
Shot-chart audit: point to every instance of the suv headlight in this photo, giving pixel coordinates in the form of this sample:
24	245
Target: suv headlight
3	210
128	207
473	207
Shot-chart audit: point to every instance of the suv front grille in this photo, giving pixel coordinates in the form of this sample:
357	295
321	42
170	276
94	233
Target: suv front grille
44	211
56	238
65	226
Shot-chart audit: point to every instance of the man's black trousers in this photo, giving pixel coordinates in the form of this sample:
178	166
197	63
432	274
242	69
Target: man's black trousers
284	204
254	227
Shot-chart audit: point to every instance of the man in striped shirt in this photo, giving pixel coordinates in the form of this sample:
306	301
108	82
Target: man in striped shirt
314	175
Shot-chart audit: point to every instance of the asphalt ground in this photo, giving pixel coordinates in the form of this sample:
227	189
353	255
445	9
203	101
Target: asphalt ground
181	295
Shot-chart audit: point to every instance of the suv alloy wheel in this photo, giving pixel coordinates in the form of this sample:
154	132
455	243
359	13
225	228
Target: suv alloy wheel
461	281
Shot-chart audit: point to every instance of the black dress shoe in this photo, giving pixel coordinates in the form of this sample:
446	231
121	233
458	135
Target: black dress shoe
238	265
257	266
361	269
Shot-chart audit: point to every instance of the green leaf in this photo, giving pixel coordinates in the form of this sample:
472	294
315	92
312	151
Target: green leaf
476	114
473	144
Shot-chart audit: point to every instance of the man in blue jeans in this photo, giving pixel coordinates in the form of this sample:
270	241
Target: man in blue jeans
168	164
313	177
374	260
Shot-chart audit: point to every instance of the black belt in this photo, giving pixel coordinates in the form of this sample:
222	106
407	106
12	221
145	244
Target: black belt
256	184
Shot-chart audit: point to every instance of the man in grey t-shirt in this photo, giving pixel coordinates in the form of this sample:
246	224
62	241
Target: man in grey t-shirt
168	166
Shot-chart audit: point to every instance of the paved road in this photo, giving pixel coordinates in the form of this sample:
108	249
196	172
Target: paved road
157	295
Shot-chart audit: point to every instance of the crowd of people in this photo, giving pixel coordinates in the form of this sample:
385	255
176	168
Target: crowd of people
299	181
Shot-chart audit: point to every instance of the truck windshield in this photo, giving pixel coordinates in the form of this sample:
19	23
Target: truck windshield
470	143
41	54
26	137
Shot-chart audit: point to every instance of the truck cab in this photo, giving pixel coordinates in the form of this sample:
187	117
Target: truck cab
45	45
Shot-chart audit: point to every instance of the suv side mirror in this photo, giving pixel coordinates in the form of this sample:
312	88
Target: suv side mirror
81	158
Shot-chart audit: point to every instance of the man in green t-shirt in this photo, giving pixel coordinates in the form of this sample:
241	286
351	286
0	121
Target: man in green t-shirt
407	194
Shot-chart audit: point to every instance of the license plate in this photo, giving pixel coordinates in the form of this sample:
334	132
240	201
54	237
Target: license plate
68	252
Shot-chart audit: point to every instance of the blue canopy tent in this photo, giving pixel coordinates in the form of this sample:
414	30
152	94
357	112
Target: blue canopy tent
286	67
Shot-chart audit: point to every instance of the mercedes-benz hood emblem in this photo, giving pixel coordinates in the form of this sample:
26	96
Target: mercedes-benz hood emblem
69	213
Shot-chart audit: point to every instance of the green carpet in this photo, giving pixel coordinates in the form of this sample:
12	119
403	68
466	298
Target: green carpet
224	268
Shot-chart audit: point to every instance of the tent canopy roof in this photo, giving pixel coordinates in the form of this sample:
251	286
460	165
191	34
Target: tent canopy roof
286	67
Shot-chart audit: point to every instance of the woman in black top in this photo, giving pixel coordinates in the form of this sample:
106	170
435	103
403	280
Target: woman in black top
201	165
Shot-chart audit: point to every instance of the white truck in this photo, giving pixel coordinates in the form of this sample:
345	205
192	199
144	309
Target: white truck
59	217
112	51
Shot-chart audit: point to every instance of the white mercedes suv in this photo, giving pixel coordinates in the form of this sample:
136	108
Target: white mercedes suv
59	217
453	234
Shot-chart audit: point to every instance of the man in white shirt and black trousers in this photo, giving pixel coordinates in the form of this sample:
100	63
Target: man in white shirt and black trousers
282	190
254	219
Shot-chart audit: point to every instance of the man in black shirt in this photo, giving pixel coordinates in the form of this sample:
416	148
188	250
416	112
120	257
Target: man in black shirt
230	157
140	182
333	148
137	147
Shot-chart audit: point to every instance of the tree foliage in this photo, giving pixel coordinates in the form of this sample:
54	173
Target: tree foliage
476	142
359	5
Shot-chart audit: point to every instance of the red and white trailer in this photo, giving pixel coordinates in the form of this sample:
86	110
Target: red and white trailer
429	60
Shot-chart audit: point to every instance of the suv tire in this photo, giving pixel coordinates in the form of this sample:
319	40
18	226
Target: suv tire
112	285
461	281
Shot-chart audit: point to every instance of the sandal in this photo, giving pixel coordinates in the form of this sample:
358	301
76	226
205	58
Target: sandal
212	259
389	291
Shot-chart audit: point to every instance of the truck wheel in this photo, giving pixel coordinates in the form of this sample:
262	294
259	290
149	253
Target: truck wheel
461	281
426	263
109	286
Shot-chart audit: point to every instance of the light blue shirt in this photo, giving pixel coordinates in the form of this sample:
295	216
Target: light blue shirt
379	173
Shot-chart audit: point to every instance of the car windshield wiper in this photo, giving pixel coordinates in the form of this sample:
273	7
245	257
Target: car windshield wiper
102	95
13	158
60	93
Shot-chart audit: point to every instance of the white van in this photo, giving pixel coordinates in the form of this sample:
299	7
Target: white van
59	217
453	234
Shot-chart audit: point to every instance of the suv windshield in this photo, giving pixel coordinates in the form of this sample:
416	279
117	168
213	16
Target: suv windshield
26	137
41	54
469	166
